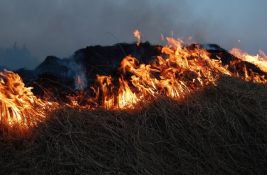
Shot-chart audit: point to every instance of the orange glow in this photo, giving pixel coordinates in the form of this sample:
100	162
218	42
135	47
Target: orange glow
260	59
181	71
18	104
126	98
137	35
178	71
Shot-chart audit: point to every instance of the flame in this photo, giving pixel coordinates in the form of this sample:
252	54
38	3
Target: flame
126	97
18	104
137	35
178	71
106	87
260	59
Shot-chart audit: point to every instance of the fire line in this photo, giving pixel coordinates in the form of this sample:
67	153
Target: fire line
177	72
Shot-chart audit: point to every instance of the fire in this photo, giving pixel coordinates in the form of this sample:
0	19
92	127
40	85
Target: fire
137	35
179	70
18	105
260	59
106	87
109	98
126	97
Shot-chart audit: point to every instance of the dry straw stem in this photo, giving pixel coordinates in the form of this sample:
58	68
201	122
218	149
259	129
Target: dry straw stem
220	130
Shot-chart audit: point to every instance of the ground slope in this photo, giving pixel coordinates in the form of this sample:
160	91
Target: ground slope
220	130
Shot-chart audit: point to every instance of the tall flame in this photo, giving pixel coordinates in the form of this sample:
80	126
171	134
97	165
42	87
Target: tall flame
18	105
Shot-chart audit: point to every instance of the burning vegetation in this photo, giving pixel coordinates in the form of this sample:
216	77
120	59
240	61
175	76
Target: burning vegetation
187	110
177	72
18	105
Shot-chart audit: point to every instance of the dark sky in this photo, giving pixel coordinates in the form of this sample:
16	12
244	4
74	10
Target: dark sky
59	27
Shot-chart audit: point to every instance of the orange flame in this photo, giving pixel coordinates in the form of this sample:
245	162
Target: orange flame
18	104
137	35
260	59
178	71
126	98
181	71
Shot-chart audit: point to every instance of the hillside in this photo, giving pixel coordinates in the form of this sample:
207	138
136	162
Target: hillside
219	130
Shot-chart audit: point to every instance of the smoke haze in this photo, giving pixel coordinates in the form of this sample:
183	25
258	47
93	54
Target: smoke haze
59	27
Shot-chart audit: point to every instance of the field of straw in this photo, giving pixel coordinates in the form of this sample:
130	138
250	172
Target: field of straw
220	130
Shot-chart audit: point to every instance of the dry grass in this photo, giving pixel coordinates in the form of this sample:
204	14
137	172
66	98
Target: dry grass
222	130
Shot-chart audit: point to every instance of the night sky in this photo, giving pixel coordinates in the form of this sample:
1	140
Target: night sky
59	27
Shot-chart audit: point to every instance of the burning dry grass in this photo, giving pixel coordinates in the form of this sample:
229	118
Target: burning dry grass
222	129
19	107
179	71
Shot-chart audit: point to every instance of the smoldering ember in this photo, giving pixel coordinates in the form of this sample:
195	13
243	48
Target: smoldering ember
137	108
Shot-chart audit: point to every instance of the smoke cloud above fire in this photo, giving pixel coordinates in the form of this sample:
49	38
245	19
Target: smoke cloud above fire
59	27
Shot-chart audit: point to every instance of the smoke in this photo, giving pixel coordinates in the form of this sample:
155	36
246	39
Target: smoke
76	71
17	57
59	27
